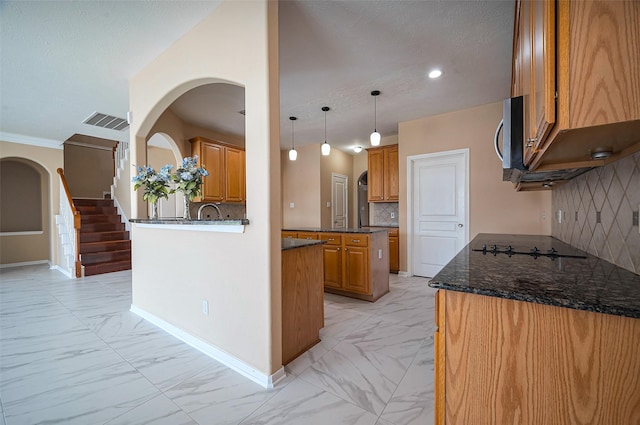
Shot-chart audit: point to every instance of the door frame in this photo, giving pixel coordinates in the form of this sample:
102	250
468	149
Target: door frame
411	160
346	203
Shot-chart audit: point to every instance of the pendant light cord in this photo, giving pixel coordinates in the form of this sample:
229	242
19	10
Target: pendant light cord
325	126
375	113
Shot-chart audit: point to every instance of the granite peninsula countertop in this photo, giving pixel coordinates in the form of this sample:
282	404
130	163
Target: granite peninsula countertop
322	230
181	221
290	243
589	283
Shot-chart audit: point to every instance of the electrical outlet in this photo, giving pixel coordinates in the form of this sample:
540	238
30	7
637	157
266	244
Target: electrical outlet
328	204
205	307
559	216
393	215
291	205
379	254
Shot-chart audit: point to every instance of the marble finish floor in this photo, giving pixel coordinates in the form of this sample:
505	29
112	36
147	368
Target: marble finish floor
72	353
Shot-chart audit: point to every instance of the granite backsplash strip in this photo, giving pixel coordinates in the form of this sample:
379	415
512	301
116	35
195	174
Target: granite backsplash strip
383	214
228	211
599	212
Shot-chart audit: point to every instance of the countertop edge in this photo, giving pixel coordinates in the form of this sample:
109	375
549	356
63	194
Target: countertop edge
290	243
183	222
555	302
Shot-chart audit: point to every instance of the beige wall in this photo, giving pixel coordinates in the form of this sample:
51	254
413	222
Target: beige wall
17	249
89	171
494	205
340	163
301	186
236	43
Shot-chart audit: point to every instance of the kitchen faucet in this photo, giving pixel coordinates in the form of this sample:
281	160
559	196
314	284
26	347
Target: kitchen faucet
208	205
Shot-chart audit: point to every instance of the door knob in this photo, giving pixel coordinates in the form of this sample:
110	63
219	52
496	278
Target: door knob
460	225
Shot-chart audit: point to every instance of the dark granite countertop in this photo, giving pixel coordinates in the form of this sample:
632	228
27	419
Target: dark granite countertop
383	227
181	221
321	230
589	283
290	243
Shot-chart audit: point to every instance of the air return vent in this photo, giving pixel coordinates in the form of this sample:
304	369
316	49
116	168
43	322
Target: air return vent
107	121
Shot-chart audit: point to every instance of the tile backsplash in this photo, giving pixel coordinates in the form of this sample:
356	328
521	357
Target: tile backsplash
232	211
600	212
380	214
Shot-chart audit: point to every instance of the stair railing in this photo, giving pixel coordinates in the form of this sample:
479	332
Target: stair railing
71	218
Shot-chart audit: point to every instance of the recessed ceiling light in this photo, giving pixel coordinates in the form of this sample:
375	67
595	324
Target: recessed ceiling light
435	73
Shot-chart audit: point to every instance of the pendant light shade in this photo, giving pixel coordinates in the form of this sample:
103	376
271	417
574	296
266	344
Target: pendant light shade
293	154
326	147
375	136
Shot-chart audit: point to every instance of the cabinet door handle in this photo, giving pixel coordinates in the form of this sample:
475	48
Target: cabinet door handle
338	249
346	249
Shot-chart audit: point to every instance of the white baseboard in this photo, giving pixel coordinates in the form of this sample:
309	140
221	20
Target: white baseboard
403	274
24	263
62	270
267	381
127	225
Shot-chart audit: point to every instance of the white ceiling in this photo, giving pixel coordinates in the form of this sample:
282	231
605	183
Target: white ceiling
63	60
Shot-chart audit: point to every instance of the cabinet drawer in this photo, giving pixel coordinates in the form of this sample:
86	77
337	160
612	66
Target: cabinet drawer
393	232
357	240
289	235
331	238
307	235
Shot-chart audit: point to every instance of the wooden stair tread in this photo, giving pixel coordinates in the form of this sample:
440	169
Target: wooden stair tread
104	243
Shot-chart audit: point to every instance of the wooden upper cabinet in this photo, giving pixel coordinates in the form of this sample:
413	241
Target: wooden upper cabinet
543	74
391	173
383	177
235	175
577	64
226	167
375	175
212	159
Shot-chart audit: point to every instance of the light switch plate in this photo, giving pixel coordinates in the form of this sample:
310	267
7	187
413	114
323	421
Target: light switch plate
328	204
291	205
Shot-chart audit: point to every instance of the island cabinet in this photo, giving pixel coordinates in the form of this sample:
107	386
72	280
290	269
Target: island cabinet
383	174
302	297
226	167
503	361
577	64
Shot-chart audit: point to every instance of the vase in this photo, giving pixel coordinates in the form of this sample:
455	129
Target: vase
187	211
153	214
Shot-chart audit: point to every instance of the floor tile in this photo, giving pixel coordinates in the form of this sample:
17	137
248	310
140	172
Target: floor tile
302	403
157	411
219	393
412	402
364	378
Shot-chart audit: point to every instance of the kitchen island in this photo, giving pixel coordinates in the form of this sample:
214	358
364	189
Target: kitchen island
531	330
356	261
302	296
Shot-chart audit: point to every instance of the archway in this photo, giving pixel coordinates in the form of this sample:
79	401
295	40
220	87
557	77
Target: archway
163	150
26	233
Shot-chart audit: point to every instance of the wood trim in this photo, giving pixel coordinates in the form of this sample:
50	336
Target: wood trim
76	221
439	355
216	142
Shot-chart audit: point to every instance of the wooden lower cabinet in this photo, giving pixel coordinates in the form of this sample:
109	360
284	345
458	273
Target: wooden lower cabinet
356	269
332	260
394	251
501	361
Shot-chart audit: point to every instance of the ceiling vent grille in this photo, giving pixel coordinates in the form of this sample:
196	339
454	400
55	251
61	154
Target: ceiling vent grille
107	121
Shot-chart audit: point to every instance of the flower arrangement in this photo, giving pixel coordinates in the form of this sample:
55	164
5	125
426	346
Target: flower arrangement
156	184
189	178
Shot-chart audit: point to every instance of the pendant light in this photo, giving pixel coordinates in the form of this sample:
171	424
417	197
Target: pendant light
375	136
293	154
326	147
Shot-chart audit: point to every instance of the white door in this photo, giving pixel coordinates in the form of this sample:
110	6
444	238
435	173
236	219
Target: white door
339	201
439	209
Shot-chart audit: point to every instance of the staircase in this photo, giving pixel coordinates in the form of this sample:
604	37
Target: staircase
104	243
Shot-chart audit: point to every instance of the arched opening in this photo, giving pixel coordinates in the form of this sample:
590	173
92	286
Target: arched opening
24	208
363	200
213	112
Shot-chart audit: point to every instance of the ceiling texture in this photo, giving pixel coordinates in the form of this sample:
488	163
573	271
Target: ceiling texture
63	60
